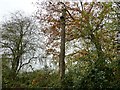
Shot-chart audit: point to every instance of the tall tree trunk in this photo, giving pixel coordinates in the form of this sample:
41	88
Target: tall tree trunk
62	48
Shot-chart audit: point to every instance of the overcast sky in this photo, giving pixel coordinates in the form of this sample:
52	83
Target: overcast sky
10	6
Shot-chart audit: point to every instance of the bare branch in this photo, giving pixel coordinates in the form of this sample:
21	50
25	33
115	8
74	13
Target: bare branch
25	64
81	4
7	46
66	9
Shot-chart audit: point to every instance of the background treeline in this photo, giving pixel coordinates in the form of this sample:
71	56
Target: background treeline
92	46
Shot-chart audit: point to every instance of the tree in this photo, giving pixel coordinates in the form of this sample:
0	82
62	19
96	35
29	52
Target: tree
93	24
62	48
18	43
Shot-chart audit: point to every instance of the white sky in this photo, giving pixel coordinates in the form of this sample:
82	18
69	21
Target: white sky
10	6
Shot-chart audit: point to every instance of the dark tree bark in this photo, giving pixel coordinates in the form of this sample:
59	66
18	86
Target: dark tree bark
62	48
